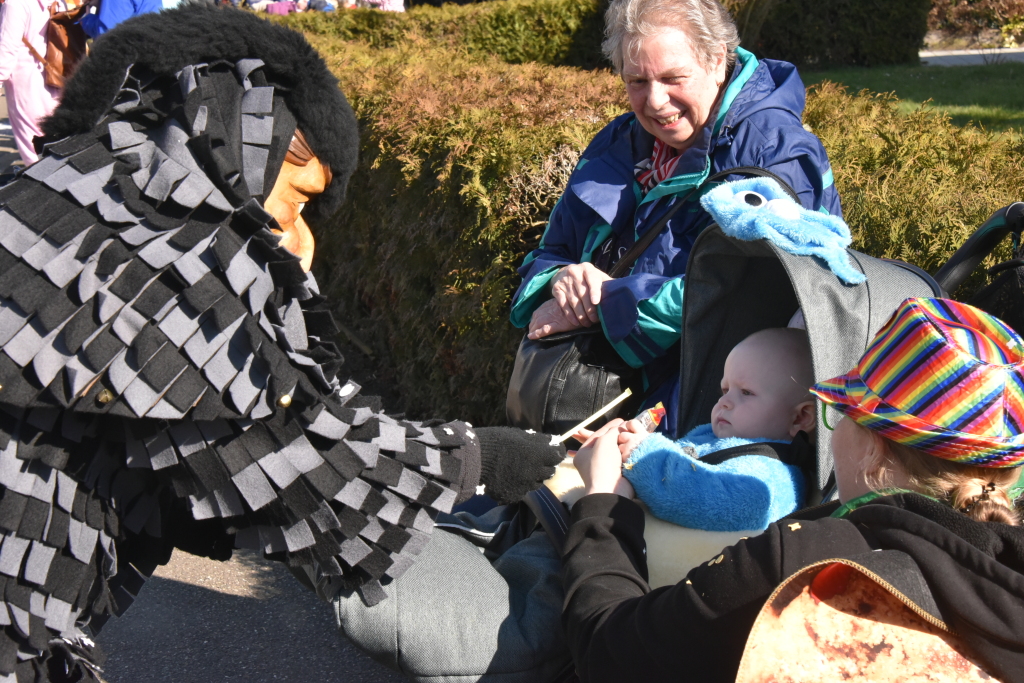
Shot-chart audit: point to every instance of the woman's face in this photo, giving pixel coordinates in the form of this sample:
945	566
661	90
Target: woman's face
295	186
851	450
858	450
670	92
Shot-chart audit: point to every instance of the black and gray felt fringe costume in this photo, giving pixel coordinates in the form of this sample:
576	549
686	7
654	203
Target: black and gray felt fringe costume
168	378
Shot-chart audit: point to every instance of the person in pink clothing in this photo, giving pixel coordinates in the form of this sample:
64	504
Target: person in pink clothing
29	99
389	5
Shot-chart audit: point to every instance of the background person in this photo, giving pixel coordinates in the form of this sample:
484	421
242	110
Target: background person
701	104
923	467
29	99
110	13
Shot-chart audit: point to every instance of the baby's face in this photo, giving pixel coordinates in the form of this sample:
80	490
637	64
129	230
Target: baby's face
758	401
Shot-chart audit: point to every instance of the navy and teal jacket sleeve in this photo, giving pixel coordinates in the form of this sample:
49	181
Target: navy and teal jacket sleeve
744	493
599	193
564	242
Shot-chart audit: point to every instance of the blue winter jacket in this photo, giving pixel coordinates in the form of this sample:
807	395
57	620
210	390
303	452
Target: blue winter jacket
758	123
113	12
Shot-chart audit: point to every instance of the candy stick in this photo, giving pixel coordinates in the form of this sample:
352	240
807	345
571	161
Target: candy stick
601	411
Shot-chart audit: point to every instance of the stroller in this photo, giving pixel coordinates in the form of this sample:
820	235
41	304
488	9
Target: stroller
735	288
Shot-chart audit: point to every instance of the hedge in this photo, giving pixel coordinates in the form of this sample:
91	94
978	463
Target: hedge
971	17
913	187
569	32
556	32
463	159
844	32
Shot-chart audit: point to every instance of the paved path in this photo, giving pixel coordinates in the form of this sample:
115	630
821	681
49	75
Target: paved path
243	621
971	57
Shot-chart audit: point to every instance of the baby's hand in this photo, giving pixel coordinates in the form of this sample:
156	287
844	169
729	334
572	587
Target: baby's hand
630	435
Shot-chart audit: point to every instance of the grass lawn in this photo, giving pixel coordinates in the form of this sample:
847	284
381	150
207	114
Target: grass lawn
989	95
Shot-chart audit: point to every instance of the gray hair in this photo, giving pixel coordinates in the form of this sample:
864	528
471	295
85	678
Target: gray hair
628	22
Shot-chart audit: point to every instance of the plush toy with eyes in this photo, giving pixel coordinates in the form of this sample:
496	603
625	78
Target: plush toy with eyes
167	375
758	208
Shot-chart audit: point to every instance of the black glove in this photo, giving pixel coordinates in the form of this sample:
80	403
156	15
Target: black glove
514	462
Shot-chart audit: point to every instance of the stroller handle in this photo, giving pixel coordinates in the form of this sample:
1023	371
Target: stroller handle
1009	219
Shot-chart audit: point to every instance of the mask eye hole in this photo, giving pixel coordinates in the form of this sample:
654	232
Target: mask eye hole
753	199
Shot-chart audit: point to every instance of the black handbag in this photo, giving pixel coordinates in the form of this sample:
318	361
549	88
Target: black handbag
560	380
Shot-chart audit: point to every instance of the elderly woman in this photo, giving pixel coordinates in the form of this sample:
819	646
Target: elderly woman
701	104
925	473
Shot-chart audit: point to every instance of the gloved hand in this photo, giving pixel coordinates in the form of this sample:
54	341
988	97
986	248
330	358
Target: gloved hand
513	461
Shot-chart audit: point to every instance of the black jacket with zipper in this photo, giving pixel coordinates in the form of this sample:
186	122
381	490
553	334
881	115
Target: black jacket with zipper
969	574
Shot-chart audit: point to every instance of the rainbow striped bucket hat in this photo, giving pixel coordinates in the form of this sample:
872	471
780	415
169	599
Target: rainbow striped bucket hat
942	377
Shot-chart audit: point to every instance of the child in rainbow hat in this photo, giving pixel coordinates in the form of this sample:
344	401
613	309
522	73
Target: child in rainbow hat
935	405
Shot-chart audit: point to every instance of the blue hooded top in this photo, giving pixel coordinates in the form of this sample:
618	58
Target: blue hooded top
745	493
758	123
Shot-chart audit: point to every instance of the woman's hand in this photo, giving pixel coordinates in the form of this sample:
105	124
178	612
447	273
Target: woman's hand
630	434
577	289
575	294
600	465
549	319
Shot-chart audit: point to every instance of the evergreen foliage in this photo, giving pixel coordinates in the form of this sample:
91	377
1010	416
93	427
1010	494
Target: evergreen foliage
569	32
557	32
463	157
844	32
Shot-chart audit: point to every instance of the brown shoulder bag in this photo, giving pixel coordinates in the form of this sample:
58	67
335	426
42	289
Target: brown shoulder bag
66	45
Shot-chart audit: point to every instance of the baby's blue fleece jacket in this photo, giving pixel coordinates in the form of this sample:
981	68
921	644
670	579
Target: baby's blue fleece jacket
747	492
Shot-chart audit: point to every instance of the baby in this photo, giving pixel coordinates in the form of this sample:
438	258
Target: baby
765	397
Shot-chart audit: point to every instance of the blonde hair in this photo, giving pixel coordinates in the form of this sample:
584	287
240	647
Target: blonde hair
706	22
982	493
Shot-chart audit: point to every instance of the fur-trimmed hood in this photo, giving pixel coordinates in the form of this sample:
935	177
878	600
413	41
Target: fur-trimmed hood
166	42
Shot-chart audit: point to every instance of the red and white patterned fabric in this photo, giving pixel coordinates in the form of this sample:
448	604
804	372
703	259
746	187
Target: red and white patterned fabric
660	166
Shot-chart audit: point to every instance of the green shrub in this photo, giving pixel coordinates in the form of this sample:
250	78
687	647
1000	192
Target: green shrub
463	159
569	32
557	32
750	16
912	187
844	32
971	17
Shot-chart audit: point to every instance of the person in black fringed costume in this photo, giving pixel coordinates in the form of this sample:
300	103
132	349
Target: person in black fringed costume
166	375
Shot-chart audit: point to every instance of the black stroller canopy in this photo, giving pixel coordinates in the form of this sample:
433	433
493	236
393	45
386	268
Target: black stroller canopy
735	288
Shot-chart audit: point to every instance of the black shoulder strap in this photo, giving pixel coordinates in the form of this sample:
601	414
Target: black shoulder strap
640	246
799	453
755	171
775	451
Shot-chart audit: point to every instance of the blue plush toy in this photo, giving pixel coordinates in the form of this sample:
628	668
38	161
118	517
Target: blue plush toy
758	208
744	493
